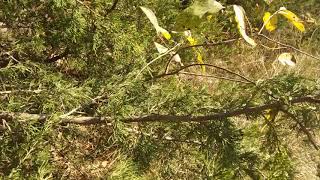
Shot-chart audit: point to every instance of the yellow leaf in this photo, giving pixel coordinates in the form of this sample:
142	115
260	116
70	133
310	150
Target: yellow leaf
271	114
270	22
299	26
200	61
164	33
192	41
294	19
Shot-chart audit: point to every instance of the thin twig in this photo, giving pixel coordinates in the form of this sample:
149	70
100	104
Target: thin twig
209	65
303	128
160	56
58	57
272	48
224	114
82	3
199	45
289	46
213	76
268	20
80	106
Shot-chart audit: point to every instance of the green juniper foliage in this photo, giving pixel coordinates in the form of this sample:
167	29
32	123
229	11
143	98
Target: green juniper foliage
62	59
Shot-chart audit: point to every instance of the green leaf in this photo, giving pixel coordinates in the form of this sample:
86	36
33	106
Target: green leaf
191	17
199	8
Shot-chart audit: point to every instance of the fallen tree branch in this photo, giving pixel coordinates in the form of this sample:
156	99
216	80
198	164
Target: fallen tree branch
83	120
232	113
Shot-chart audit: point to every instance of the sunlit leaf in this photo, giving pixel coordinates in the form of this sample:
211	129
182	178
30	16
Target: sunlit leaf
153	19
200	61
240	19
161	49
150	15
287	59
193	42
163	32
271	114
191	17
199	8
294	19
177	58
270	22
190	39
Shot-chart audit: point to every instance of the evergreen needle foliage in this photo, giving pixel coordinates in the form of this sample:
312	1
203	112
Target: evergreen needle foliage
67	59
